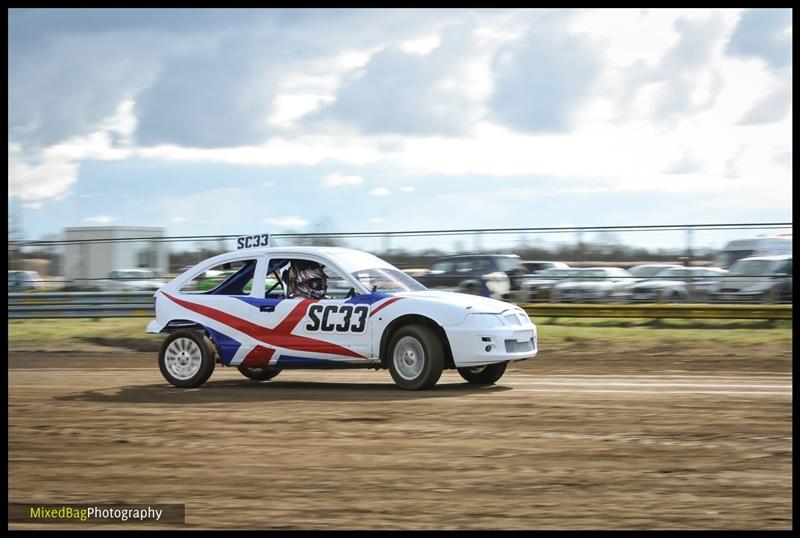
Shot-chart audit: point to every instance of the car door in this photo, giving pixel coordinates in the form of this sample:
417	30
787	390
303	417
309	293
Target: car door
224	308
312	332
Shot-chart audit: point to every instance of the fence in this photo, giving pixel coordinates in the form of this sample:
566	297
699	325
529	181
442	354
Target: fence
578	245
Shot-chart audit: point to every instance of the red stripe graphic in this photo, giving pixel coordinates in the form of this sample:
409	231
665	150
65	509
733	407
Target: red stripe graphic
258	357
280	336
384	305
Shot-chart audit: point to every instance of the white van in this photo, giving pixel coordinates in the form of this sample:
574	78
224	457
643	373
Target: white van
759	246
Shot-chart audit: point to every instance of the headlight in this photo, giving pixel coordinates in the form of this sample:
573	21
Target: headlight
485	321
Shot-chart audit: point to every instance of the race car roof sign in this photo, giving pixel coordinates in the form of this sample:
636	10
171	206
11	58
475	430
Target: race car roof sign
252	241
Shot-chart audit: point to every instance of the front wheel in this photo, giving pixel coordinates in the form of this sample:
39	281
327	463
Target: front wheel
187	359
484	375
416	357
258	374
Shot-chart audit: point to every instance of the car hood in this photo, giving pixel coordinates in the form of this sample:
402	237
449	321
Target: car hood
654	284
585	285
475	303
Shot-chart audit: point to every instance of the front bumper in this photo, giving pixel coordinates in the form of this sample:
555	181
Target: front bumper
476	342
739	296
154	327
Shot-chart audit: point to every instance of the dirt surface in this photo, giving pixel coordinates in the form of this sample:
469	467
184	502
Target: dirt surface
577	439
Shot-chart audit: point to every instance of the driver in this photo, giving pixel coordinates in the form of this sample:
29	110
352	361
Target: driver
306	279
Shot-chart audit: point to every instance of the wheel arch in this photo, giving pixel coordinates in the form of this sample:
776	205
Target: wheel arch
414	319
189	325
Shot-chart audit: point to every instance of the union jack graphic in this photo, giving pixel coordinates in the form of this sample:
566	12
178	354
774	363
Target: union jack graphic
276	346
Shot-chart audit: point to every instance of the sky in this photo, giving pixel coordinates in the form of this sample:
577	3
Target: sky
236	121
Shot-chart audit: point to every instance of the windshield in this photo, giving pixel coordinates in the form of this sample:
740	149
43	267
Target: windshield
646	272
592	274
552	272
726	258
387	280
673	273
749	268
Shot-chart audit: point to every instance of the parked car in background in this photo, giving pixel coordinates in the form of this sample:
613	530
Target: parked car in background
749	248
649	270
766	279
593	285
538	287
676	284
534	267
24	281
498	276
131	280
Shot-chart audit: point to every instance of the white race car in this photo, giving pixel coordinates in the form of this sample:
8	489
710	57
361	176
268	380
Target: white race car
372	316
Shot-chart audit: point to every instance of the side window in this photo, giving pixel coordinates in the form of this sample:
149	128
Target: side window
337	286
230	278
483	265
464	266
445	266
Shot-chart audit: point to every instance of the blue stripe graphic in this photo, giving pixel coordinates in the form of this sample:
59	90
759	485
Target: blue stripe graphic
227	346
369	299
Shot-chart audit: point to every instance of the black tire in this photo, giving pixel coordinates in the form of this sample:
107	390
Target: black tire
674	297
258	374
416	357
484	375
187	358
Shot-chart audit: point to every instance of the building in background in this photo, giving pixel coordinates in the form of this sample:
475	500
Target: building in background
87	258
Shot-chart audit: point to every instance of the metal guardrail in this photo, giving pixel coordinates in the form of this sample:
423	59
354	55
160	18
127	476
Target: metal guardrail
136	304
685	311
78	297
80	305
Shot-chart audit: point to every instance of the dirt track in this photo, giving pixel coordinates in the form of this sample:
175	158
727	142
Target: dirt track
562	442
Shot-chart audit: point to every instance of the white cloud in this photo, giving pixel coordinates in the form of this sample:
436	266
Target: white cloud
287	222
380	191
52	178
290	107
100	219
97	146
408	188
423	45
340	180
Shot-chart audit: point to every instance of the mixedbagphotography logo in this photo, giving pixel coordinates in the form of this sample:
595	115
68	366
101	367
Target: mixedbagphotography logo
96	513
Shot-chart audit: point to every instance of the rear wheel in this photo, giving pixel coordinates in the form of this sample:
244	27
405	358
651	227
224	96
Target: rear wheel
258	374
416	357
484	375
187	358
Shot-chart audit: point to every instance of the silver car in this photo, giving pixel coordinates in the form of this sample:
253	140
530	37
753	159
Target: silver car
131	280
677	284
593	285
766	279
538	287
